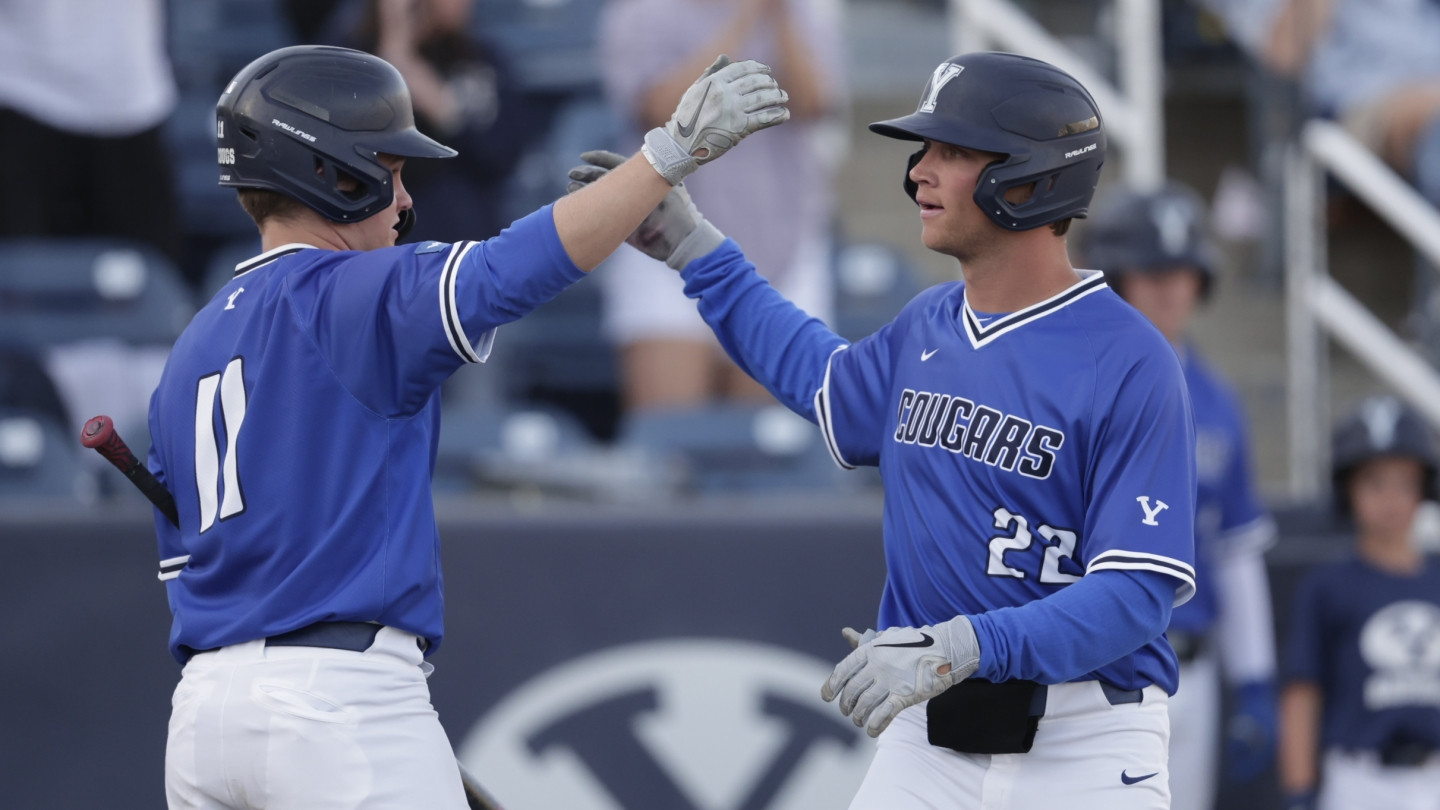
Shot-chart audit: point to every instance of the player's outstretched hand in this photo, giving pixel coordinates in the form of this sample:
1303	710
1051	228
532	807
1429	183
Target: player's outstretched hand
729	101
898	668
675	232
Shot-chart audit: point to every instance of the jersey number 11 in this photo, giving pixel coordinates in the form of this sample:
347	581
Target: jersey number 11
229	386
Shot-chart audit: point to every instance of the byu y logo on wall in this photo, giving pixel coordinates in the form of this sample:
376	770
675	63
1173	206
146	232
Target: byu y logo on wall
686	724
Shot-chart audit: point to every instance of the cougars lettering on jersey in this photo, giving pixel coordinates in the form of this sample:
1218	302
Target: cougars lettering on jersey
978	432
1020	452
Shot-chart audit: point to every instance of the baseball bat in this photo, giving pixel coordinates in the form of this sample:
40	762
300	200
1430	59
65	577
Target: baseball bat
99	435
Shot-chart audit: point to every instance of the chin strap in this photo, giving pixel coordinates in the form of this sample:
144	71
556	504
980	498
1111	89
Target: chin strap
407	221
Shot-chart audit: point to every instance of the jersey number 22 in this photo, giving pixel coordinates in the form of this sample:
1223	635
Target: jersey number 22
1060	545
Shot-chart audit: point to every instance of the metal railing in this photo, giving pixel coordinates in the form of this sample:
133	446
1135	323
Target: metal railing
1133	110
1317	306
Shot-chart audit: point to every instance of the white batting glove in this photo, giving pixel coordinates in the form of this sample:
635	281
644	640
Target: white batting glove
898	668
675	232
728	102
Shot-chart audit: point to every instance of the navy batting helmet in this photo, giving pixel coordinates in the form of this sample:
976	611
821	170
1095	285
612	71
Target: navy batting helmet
1149	232
1043	121
1381	426
294	119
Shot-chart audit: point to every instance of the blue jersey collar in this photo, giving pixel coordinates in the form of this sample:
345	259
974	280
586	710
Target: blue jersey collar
269	256
1090	281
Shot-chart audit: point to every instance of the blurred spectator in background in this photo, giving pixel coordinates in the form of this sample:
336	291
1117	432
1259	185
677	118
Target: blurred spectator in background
463	95
1155	252
26	387
775	195
1374	67
85	86
32	467
1360	710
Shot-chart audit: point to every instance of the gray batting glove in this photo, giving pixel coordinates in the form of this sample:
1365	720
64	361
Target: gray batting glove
675	232
728	102
900	667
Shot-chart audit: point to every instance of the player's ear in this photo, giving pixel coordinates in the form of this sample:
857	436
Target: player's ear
1016	195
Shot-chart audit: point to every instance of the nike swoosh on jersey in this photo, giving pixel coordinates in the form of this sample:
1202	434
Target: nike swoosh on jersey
1130	780
686	129
925	641
924	355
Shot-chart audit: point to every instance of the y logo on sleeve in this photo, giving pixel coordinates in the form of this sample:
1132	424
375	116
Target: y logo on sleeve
1160	506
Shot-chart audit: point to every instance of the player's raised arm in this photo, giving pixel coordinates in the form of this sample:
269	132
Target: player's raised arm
728	102
769	338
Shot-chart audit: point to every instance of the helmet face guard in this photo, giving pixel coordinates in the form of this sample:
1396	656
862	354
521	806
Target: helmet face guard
310	121
1042	122
1137	232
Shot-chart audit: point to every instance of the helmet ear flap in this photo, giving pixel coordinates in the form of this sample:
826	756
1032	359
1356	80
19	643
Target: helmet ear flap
911	187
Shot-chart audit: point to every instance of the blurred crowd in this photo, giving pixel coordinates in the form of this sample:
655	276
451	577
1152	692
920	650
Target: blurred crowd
113	231
110	104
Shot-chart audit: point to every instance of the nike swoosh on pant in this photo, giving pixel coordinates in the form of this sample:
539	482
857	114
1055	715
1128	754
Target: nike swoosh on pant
1130	780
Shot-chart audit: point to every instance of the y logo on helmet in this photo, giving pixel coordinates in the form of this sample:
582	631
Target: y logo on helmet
1173	221
1381	417
683	724
938	80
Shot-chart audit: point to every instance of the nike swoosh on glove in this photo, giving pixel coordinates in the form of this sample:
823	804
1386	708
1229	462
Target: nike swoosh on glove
729	101
900	667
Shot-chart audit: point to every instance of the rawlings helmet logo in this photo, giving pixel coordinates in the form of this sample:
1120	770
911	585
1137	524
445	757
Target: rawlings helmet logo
292	130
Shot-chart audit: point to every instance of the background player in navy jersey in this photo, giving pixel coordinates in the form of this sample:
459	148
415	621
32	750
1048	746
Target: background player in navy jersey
296	426
1360	707
1036	444
1153	248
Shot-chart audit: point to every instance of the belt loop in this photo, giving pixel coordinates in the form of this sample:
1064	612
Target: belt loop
1119	697
1037	700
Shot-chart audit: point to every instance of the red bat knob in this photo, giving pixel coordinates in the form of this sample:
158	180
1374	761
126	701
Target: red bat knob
97	431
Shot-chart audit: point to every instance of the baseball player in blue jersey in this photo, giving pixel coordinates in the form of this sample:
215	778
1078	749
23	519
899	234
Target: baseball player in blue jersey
1154	251
296	426
1036	443
1360	707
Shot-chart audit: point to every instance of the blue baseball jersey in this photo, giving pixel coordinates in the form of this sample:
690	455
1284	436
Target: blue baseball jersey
1371	640
296	425
1229	517
1020	454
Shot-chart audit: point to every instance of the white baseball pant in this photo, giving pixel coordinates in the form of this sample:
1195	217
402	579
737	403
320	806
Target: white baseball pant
1356	780
286	728
1195	735
1088	754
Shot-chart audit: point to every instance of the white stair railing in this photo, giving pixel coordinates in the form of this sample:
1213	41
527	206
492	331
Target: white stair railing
1317	306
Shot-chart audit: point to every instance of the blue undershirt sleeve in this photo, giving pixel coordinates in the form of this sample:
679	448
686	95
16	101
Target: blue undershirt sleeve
1076	630
771	339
